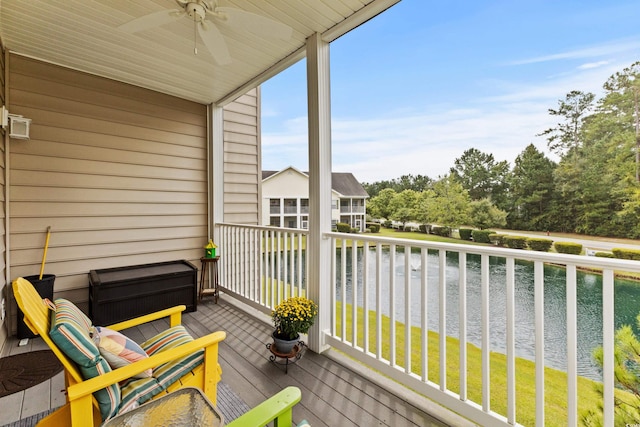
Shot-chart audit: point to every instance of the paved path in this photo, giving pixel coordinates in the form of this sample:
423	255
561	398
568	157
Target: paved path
598	245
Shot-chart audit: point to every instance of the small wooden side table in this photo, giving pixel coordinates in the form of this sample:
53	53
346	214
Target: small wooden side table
204	289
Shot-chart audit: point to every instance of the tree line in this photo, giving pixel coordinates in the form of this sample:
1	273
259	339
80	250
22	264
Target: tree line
594	189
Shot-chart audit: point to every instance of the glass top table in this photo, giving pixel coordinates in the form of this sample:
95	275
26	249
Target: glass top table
187	406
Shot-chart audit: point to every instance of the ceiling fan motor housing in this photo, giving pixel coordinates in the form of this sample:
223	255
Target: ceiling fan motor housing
196	11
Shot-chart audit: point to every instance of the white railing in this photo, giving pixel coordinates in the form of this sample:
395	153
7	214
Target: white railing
387	273
352	209
369	319
262	265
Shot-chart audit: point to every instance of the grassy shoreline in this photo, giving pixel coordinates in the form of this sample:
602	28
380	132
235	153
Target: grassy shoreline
555	380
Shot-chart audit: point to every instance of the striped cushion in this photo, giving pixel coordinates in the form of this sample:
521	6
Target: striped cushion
138	391
168	373
70	331
109	397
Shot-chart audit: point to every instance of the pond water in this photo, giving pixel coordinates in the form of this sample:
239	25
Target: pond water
627	297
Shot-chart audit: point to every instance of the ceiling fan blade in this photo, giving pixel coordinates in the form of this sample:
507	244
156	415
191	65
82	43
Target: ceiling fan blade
214	41
257	24
151	20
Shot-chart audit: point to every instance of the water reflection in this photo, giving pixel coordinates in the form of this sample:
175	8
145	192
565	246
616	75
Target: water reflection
589	301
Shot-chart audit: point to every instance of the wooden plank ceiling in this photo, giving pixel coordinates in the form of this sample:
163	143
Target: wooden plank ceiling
84	35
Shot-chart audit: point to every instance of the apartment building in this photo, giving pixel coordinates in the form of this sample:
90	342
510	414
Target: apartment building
285	197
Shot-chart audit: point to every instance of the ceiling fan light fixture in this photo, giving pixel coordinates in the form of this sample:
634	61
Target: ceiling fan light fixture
198	12
206	15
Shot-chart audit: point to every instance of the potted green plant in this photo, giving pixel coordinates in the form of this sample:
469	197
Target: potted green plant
292	317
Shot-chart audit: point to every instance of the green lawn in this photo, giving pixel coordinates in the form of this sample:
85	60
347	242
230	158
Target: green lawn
555	380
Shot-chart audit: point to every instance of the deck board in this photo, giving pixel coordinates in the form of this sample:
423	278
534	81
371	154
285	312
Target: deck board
332	394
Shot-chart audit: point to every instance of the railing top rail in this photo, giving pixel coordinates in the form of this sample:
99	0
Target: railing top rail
264	227
527	255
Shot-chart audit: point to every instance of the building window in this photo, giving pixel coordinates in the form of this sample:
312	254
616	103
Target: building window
291	222
334	204
274	221
304	222
290	206
304	206
274	206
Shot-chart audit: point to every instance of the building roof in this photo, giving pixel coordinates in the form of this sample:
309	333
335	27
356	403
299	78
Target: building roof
347	184
343	183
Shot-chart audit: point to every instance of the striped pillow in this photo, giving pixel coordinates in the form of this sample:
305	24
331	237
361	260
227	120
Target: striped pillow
168	373
70	331
138	391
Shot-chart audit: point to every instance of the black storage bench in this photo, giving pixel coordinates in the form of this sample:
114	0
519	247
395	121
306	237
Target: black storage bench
122	293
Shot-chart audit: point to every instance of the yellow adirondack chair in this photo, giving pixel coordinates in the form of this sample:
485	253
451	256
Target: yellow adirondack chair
81	408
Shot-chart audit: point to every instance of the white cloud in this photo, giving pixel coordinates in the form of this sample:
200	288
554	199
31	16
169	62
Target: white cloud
604	49
589	65
426	144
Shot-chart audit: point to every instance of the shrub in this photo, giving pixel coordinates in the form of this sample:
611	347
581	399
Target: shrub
605	255
354	230
497	239
542	245
441	230
632	254
387	224
515	242
481	236
373	227
425	228
625	365
568	248
343	228
294	316
465	233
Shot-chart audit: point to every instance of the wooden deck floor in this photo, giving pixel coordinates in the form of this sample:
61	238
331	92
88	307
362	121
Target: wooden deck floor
332	394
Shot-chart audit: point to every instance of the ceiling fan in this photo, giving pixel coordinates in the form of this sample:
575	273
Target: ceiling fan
206	16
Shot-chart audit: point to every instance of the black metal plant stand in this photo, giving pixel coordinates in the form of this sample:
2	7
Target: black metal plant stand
285	359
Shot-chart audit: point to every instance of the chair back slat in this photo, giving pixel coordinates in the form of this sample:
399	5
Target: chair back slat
37	318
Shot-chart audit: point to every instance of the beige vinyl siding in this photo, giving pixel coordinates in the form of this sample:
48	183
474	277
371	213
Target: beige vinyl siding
2	79
242	159
3	287
118	172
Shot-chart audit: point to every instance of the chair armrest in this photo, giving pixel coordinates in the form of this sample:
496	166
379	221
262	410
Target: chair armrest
277	408
92	385
173	312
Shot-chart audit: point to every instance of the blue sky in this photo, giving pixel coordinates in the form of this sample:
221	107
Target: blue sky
415	87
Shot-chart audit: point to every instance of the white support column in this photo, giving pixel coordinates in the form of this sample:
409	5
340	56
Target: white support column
319	253
216	169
